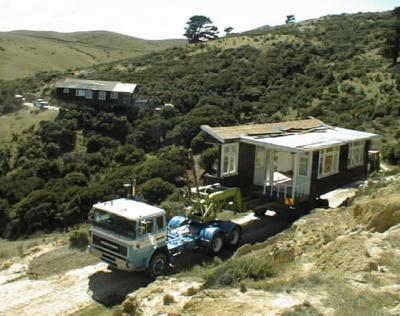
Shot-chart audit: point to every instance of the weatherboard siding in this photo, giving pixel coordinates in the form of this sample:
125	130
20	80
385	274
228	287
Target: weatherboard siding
244	177
71	97
344	176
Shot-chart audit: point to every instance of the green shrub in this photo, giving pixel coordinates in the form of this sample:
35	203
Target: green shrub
391	152
156	190
208	158
79	238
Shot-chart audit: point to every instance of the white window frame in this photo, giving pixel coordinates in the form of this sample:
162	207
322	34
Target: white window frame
80	92
114	95
355	157
333	152
65	90
102	95
229	159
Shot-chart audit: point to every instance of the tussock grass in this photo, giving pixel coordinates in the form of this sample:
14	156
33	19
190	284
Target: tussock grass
79	238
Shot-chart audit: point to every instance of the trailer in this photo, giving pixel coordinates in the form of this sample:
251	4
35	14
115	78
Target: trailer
134	236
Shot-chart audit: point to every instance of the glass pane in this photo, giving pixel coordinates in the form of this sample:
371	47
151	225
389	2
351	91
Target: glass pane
225	164
328	165
160	222
303	166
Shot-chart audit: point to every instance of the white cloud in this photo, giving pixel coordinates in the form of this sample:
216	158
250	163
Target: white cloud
166	18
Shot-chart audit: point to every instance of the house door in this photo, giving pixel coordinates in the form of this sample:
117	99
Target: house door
259	166
303	177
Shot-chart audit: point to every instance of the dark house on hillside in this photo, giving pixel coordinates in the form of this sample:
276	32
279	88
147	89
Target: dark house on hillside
292	161
96	92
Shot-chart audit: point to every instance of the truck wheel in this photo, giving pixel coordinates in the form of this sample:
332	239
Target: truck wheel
217	243
234	238
158	265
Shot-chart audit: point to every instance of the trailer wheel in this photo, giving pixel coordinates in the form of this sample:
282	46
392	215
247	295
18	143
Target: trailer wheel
216	243
158	265
234	238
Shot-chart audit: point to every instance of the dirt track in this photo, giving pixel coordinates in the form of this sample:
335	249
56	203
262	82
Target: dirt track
66	293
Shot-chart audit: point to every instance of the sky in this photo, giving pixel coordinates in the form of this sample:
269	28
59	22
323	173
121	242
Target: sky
162	19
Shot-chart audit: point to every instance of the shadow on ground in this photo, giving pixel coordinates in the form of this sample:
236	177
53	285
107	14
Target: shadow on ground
111	287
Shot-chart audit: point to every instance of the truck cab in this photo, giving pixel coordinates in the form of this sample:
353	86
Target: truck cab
129	235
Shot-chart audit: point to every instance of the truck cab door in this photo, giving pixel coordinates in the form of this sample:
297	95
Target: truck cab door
145	242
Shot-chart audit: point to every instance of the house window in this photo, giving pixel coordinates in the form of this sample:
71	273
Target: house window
229	159
66	90
88	94
303	165
80	93
328	161
114	95
356	154
102	95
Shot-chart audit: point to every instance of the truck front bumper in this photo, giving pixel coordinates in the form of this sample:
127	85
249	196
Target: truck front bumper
113	261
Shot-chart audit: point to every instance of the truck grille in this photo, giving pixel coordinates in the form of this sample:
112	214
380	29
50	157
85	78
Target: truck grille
110	245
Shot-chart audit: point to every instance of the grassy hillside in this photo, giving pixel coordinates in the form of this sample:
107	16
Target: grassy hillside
23	53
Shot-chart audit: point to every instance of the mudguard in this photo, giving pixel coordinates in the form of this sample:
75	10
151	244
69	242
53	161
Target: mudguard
176	221
208	233
163	249
227	226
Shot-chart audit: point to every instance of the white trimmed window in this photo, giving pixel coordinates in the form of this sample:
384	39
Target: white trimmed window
328	161
303	165
89	94
114	95
229	159
356	154
66	90
102	95
80	93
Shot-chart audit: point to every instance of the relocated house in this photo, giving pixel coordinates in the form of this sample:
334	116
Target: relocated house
296	160
96	92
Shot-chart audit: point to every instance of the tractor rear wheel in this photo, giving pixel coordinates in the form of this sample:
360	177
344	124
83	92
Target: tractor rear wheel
158	265
234	238
216	243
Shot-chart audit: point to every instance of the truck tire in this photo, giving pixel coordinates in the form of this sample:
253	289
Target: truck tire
234	238
158	265
216	244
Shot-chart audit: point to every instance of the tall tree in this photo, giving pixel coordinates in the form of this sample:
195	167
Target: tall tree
290	19
228	30
200	29
392	43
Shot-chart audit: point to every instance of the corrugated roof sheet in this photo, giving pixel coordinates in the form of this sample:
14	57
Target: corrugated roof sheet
228	133
97	85
312	140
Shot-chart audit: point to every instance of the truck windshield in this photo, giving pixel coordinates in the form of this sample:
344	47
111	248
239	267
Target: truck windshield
114	223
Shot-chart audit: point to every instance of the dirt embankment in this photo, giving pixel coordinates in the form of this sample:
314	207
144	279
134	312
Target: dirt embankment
342	261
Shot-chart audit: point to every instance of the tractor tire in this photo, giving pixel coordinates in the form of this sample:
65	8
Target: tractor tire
234	238
158	265
217	243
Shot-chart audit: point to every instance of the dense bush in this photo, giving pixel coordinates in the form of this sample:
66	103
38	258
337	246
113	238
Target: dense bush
156	190
391	152
60	168
208	158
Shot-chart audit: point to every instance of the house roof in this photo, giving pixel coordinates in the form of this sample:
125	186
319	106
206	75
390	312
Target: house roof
310	141
229	133
98	85
295	136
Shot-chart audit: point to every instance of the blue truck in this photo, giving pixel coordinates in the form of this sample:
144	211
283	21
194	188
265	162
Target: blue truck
134	236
